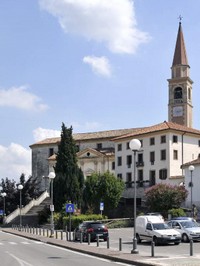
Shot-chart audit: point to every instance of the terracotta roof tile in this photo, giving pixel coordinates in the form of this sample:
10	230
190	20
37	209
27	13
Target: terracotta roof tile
159	127
108	134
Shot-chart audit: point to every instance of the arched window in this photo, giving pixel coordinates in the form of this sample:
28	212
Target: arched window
178	93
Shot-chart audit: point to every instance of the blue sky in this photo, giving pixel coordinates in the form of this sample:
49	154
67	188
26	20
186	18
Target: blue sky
93	64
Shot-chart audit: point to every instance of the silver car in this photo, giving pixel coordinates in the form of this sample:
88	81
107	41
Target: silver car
189	229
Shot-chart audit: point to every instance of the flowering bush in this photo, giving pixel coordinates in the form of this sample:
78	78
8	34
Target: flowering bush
163	197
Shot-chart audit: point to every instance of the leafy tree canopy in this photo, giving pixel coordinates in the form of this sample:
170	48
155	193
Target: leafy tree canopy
102	187
163	197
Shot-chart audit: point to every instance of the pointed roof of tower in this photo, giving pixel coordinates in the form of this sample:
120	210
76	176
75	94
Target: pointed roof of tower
180	56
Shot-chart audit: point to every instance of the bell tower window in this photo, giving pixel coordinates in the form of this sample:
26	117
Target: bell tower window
178	94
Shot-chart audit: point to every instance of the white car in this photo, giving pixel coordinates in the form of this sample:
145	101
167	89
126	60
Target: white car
189	229
152	228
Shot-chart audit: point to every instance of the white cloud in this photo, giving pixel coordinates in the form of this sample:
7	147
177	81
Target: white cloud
86	127
110	21
15	160
43	133
20	98
100	65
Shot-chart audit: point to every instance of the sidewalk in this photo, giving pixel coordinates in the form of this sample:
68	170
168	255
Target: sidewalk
118	256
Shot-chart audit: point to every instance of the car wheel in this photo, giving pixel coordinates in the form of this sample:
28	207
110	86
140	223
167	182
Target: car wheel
185	238
138	238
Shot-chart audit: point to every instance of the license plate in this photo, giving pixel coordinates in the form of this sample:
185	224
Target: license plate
172	237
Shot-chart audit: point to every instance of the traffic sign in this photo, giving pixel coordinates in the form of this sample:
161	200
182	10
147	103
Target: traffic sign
70	207
101	206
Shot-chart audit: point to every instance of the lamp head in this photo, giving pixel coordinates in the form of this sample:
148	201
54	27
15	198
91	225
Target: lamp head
51	175
191	168
20	187
135	144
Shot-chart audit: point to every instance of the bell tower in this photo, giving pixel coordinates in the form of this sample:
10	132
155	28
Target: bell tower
180	85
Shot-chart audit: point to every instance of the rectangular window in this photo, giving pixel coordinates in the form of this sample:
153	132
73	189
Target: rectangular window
152	141
163	154
163	139
152	157
140	161
51	151
119	161
175	155
141	141
119	176
113	165
152	178
140	178
175	139
119	147
163	174
127	146
128	180
129	160
99	146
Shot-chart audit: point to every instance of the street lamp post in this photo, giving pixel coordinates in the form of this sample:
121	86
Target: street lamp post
3	194
51	177
134	145
191	169
20	187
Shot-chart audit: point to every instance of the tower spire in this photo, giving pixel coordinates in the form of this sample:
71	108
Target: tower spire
180	55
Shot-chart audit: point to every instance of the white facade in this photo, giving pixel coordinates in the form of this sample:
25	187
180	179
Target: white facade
160	158
194	177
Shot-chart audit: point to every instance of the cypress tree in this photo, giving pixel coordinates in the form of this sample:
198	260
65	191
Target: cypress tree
69	180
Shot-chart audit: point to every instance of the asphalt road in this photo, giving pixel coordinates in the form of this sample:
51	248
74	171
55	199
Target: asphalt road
18	251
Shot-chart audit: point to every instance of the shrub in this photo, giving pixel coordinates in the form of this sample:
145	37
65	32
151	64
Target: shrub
177	212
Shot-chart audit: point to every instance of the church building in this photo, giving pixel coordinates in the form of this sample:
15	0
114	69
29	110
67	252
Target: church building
167	148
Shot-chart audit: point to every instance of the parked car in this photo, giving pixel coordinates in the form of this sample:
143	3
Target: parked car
152	228
93	228
188	228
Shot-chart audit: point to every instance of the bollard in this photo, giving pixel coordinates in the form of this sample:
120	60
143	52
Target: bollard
66	233
61	235
191	247
56	234
120	244
43	231
81	237
74	238
97	240
40	231
152	248
47	232
89	239
36	230
108	242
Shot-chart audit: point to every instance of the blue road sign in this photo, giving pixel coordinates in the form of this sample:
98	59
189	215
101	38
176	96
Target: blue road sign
101	206
70	207
1	212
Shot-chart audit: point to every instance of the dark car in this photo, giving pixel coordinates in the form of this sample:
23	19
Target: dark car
92	228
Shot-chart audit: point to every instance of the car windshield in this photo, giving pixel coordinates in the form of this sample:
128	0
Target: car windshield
160	226
189	224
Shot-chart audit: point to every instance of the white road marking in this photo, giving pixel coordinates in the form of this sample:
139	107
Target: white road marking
20	261
12	243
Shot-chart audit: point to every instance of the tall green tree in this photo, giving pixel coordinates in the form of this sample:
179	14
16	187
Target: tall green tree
102	187
69	181
163	197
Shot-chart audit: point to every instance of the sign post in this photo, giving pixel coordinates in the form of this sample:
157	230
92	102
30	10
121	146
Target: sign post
101	207
70	210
